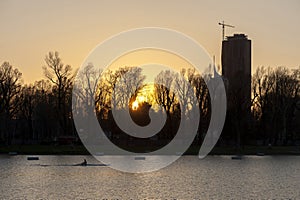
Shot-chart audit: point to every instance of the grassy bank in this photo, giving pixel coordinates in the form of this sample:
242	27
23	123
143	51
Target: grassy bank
250	150
45	149
193	150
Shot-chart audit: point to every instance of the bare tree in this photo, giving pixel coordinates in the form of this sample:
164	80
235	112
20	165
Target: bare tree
10	87
27	98
44	115
163	94
202	95
165	97
61	76
262	91
128	81
275	94
286	94
87	90
185	91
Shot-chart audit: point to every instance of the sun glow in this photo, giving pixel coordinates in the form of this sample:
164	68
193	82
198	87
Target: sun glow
135	105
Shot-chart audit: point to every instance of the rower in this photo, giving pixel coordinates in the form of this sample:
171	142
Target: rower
84	163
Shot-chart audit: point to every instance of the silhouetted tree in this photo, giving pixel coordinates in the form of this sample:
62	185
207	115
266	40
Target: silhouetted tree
163	94
202	95
128	81
44	115
275	94
165	97
87	89
27	106
61	76
262	85
10	87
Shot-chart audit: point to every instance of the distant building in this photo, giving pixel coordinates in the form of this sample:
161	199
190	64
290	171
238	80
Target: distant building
236	71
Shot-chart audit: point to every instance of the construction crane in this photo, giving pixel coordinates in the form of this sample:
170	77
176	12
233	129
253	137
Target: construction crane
223	28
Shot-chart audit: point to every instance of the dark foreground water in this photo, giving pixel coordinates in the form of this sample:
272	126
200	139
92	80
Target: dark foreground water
215	177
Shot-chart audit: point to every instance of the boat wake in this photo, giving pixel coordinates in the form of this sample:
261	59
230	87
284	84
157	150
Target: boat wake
71	165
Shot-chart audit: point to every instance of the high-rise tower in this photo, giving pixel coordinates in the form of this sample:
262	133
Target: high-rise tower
236	71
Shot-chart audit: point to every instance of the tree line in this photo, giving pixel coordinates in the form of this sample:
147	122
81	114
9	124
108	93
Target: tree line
42	112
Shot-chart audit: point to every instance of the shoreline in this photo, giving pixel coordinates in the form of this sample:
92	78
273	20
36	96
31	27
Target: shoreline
193	150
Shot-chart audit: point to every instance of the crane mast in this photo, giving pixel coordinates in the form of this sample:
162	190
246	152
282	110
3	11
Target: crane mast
223	29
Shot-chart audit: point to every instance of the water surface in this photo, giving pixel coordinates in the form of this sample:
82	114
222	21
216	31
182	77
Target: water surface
215	177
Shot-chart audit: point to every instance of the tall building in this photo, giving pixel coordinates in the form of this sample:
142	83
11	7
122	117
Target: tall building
236	71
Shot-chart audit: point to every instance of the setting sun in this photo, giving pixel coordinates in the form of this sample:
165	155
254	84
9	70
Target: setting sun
135	105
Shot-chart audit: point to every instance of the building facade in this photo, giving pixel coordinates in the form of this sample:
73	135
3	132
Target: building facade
236	72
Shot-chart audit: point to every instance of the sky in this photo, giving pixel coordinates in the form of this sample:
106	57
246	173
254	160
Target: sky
32	28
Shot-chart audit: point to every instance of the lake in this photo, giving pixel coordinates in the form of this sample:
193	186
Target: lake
215	177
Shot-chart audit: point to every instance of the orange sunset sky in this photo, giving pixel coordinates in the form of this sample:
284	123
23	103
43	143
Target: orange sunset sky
30	29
